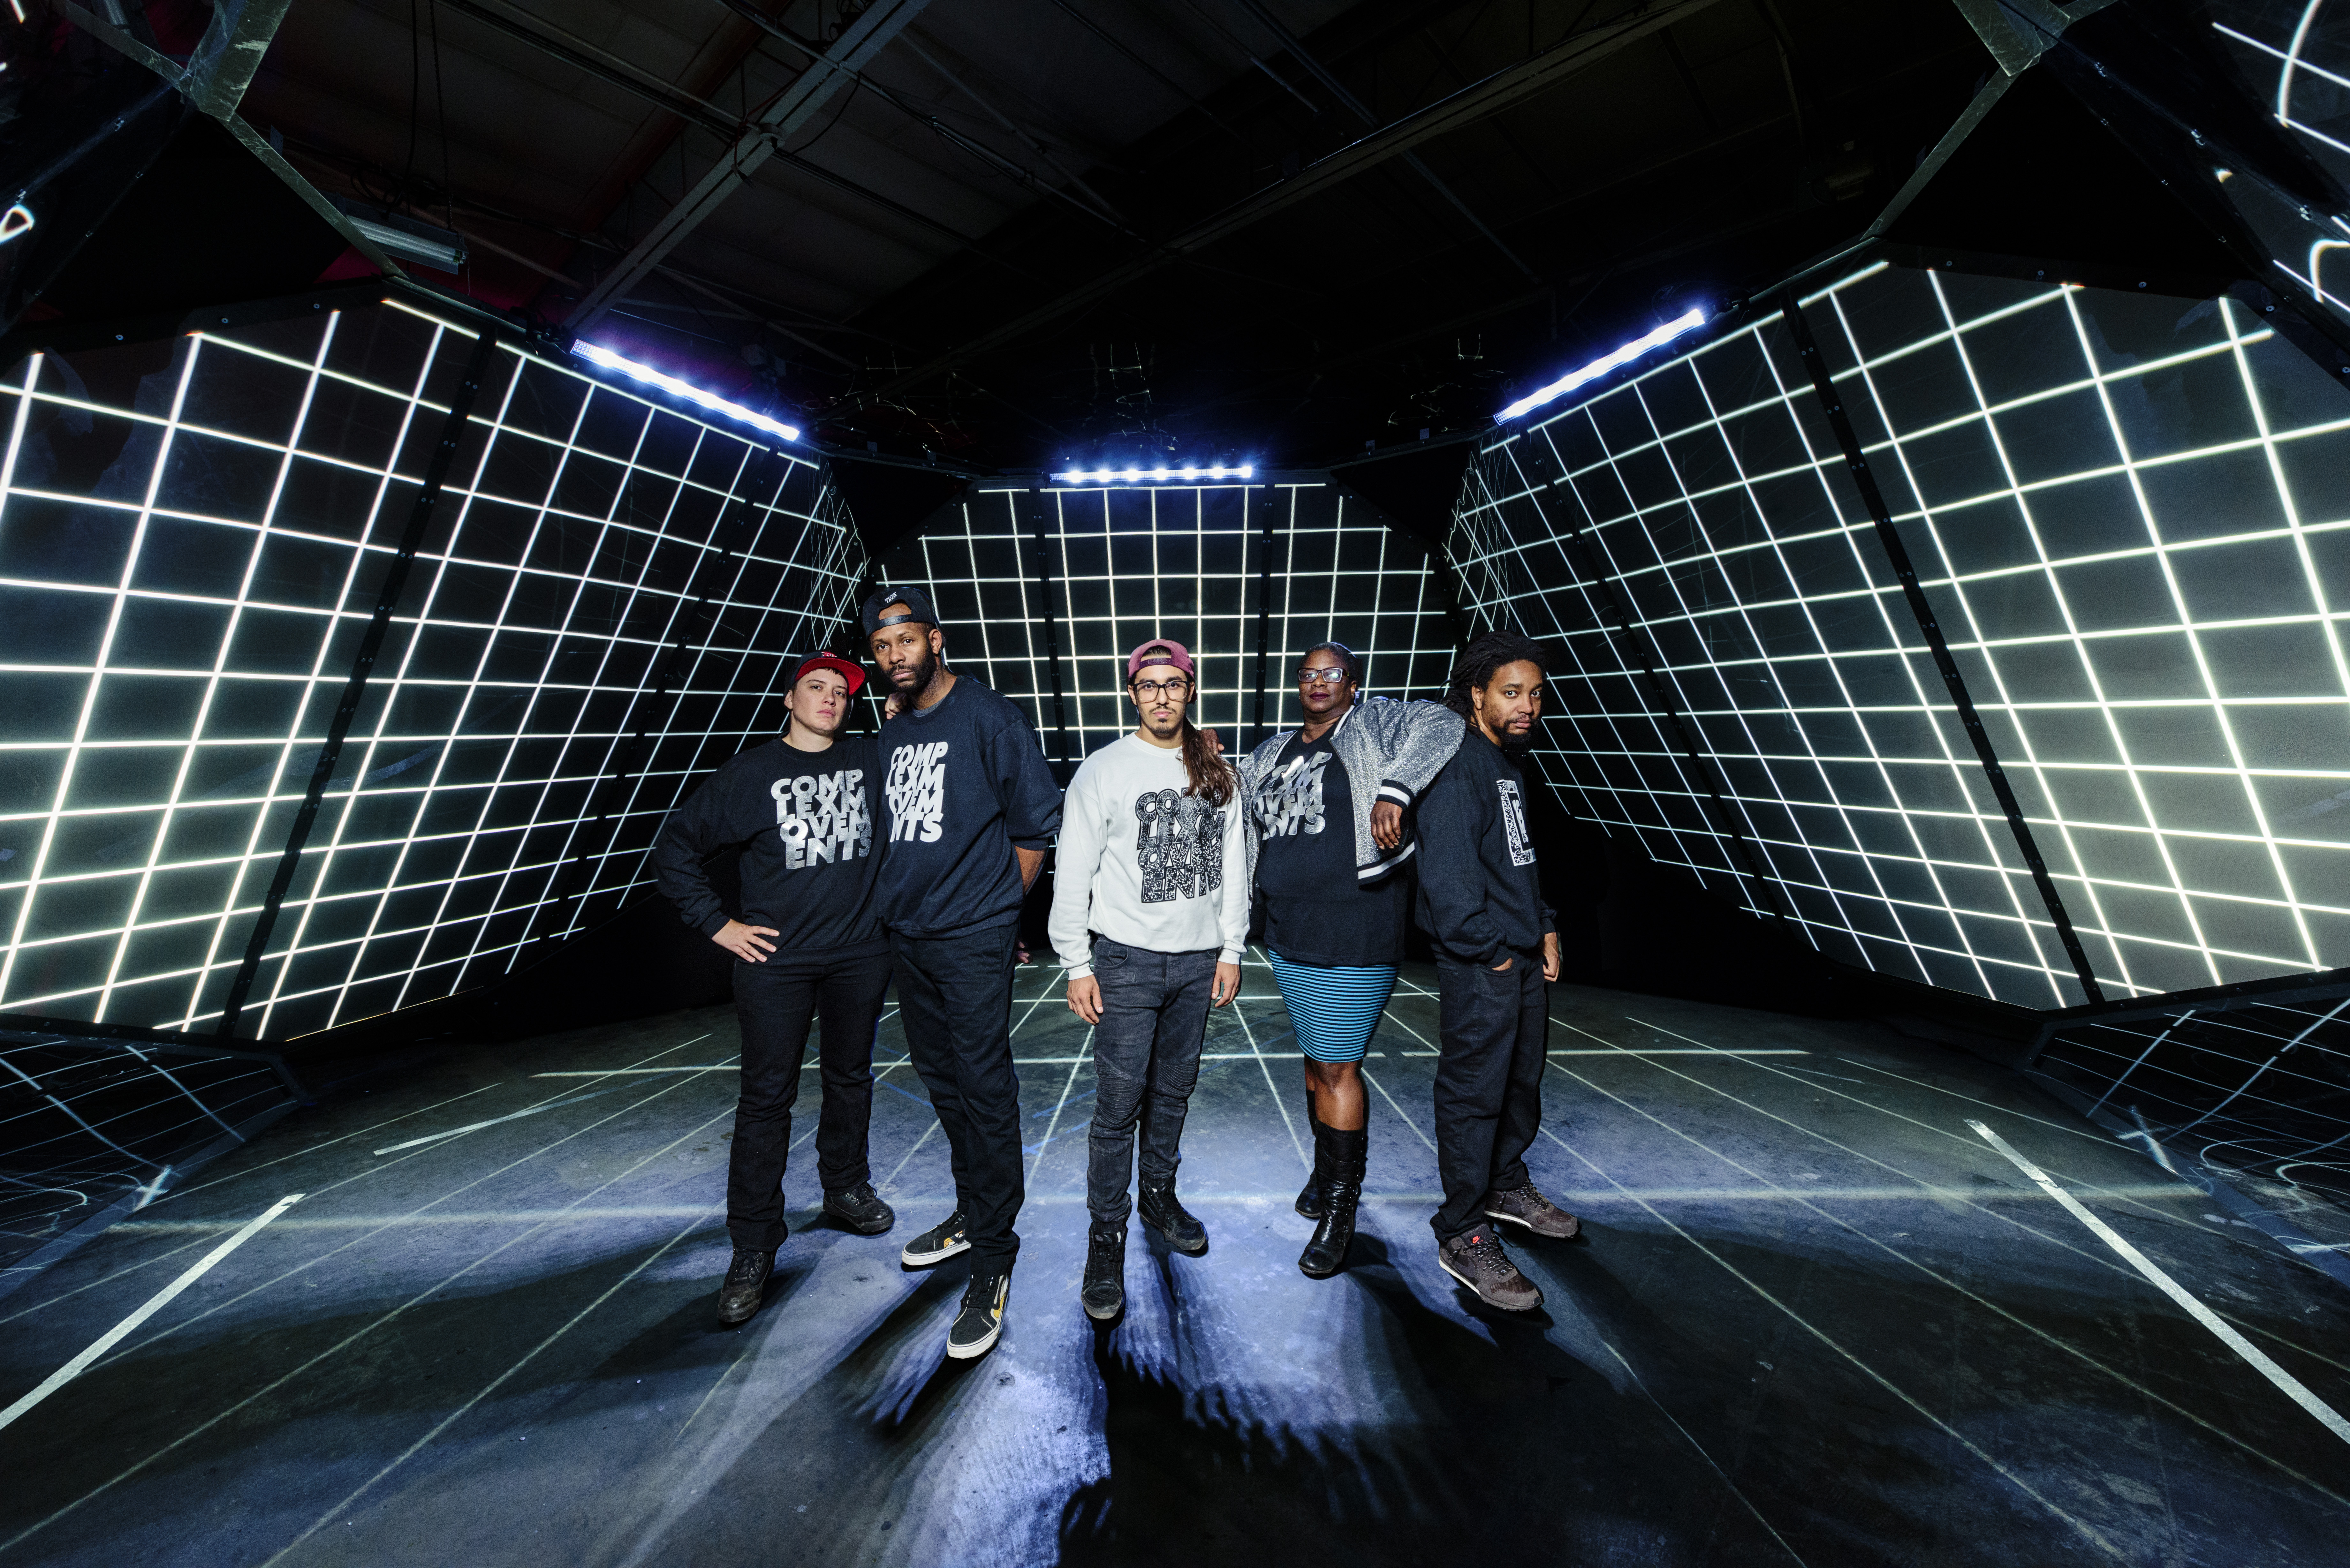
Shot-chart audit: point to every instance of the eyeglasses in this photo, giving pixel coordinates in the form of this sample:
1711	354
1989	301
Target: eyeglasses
1147	690
1328	677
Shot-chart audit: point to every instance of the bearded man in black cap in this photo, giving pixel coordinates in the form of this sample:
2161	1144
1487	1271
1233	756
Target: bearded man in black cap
971	809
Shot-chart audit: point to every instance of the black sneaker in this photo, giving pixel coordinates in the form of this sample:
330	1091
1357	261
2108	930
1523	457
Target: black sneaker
1103	1295
1478	1261
1526	1206
937	1245
745	1286
982	1318
859	1211
1163	1212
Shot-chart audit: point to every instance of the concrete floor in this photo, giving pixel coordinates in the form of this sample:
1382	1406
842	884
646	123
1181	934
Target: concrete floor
1817	1319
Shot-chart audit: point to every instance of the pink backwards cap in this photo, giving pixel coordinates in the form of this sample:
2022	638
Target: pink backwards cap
1159	650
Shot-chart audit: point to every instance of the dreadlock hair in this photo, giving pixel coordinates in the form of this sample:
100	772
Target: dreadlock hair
1206	775
1474	670
1346	655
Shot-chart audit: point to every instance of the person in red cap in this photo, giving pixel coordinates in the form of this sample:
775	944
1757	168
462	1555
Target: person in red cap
1150	913
803	807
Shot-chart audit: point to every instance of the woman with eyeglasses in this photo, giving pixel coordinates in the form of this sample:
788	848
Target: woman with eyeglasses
1333	863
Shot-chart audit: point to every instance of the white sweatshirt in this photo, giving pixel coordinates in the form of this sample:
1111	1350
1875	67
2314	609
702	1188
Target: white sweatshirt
1144	864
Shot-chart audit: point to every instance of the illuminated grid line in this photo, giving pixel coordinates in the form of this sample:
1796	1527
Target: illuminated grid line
769	593
1180	561
1629	780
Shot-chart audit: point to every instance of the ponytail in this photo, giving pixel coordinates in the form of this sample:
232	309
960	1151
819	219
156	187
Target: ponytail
1209	777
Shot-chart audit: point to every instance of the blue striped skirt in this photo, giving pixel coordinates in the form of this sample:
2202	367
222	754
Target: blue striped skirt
1332	1010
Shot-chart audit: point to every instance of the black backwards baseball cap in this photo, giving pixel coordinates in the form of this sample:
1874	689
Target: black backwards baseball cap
917	603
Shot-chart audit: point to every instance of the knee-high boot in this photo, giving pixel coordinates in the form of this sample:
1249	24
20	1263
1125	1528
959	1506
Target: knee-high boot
1326	1253
1311	1202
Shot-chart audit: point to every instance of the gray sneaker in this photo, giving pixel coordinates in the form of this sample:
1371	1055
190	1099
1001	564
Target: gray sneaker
1478	1261
1525	1206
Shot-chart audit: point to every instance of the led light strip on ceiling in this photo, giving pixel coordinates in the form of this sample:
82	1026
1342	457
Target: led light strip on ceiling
1687	322
1153	475
597	354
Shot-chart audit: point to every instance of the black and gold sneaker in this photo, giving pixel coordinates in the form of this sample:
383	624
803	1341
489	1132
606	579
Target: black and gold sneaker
982	1318
745	1286
937	1245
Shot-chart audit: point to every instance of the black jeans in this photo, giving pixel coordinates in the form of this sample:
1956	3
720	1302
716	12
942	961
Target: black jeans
773	1001
1154	1019
954	995
1494	1029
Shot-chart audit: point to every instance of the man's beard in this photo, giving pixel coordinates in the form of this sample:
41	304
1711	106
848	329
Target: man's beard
925	674
1514	744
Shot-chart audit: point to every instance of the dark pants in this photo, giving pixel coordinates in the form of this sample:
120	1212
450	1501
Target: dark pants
954	995
1494	1029
1154	1019
773	1001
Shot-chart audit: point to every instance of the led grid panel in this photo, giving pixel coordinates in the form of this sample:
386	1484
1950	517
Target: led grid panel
601	609
2132	515
1132	562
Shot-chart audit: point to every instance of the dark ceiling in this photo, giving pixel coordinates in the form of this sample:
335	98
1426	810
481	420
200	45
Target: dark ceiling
1020	232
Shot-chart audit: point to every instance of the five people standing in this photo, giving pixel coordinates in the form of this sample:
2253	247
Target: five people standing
908	855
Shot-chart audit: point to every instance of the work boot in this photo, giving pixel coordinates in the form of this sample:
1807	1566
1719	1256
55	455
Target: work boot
1478	1261
857	1208
1163	1212
1104	1292
745	1286
1326	1253
1310	1202
1525	1206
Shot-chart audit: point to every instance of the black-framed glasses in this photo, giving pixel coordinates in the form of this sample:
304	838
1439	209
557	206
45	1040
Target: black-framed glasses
1147	690
1327	676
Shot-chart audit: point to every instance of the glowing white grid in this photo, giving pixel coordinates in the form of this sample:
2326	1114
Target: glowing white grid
1180	561
770	606
1621	764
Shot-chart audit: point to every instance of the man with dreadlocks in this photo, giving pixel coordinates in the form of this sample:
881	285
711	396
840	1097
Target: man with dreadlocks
1496	941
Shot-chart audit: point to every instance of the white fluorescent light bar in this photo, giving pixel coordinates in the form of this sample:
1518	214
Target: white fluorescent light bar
597	354
1688	321
1154	475
442	255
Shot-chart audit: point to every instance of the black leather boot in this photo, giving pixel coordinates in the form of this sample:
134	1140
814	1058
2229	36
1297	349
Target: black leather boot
1157	1208
1103	1295
1326	1253
1310	1202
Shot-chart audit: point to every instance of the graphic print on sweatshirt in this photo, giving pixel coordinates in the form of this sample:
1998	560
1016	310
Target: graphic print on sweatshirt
917	785
1290	802
821	817
1179	845
1513	823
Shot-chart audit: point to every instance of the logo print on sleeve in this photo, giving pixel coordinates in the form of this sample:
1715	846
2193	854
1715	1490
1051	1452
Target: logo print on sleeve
821	817
1179	845
1513	823
1291	801
917	787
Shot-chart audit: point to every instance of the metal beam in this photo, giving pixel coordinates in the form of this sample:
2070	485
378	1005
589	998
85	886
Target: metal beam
1478	101
792	108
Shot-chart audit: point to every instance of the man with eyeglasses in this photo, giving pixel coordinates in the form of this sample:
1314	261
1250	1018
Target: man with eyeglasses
1150	918
1334	866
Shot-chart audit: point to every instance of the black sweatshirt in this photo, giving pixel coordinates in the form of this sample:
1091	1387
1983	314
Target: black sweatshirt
965	782
1317	908
1480	893
806	822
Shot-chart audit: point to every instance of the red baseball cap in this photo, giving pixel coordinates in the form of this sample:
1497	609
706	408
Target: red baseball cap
1161	651
838	665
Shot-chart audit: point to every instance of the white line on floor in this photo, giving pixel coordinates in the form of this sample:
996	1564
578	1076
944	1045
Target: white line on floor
1397	1110
1055	1123
155	1304
1684	1431
609	1073
1288	1126
2292	1385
